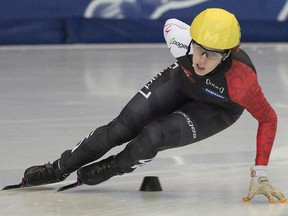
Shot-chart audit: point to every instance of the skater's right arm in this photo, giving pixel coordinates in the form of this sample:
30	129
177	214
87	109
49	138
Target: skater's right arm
177	36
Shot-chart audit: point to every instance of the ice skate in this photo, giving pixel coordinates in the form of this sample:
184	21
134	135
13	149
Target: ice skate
40	175
43	174
98	172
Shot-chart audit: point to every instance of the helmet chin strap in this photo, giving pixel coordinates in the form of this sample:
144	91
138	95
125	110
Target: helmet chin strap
220	63
227	55
188	51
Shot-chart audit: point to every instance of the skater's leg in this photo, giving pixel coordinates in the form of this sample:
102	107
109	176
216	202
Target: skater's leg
192	123
161	96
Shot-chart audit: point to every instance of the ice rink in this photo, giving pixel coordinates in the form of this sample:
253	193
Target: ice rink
53	96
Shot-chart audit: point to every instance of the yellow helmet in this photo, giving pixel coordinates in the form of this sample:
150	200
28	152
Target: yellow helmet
216	28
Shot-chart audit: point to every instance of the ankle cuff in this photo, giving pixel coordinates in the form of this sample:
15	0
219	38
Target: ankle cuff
58	170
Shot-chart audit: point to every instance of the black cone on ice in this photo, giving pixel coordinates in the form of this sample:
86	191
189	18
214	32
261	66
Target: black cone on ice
151	183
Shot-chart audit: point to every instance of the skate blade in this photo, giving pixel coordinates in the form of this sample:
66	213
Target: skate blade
15	186
9	187
73	185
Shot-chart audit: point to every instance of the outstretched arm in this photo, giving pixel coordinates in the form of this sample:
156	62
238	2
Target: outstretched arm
245	90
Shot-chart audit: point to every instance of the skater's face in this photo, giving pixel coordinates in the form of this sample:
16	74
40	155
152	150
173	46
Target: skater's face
206	59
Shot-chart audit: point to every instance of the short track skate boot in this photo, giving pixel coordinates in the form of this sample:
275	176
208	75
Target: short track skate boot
44	174
98	172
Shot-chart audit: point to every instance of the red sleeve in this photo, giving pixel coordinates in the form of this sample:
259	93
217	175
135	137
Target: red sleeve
245	90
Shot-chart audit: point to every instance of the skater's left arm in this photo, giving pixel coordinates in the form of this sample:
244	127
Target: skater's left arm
247	92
